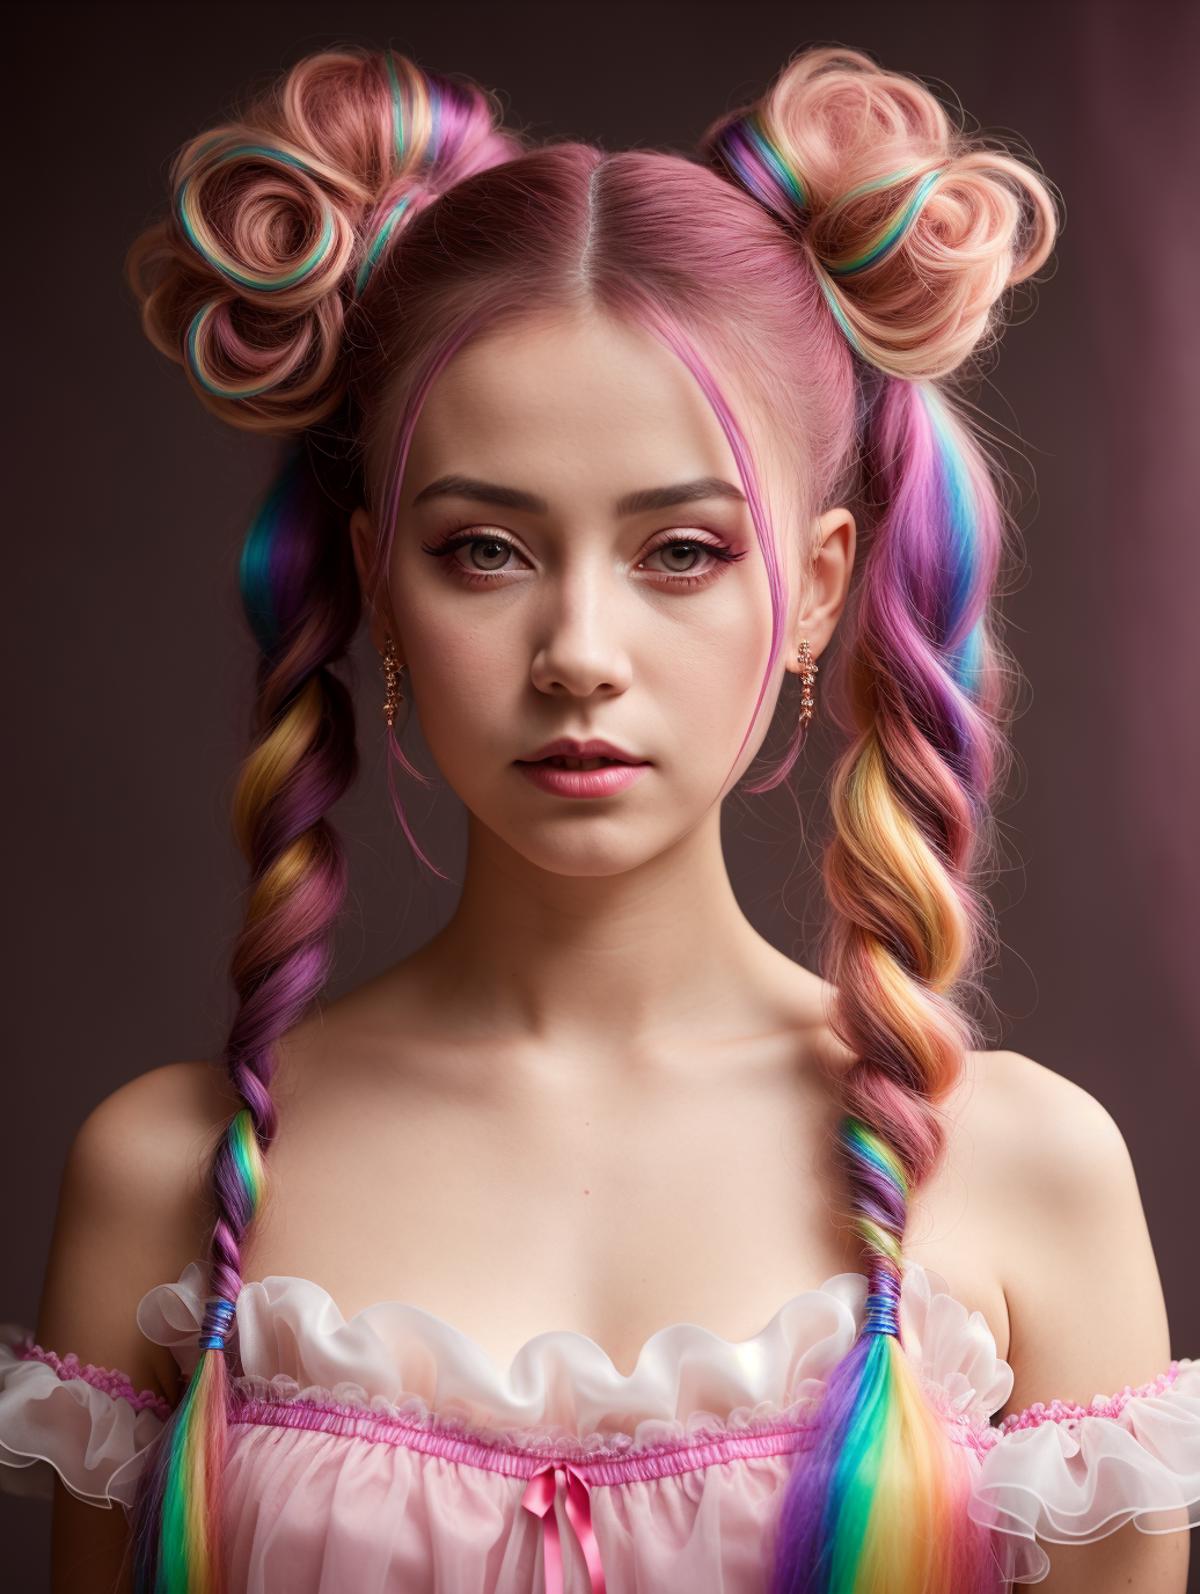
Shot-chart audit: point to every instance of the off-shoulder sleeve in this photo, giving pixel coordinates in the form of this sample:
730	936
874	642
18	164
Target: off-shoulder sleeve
86	1423
1070	1474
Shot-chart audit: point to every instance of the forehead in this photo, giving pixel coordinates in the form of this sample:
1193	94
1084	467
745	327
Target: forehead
568	401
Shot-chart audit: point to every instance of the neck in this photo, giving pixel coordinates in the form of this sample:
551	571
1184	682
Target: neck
634	963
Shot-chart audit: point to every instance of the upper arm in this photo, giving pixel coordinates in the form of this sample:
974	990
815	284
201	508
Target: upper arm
132	1212
1085	1299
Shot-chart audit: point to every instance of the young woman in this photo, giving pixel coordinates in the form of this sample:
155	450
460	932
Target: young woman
599	1246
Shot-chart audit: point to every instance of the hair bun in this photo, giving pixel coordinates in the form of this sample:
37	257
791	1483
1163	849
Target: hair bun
916	228
280	217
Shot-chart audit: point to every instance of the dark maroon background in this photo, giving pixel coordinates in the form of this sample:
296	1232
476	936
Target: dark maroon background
130	666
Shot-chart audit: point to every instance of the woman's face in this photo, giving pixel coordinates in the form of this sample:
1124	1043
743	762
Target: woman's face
534	595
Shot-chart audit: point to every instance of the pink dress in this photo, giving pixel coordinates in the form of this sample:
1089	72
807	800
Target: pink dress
387	1453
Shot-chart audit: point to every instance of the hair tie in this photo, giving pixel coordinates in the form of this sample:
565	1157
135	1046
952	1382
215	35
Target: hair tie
883	1316
218	1316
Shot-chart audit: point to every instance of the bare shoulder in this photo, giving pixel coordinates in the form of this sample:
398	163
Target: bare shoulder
1072	1244
133	1209
1033	1131
1045	1117
141	1133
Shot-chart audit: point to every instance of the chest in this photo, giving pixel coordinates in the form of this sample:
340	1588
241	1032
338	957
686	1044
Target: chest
610	1212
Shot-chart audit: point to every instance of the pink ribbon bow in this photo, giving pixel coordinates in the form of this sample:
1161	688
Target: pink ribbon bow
539	1497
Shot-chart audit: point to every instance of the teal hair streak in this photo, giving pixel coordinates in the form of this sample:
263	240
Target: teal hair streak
965	659
206	382
789	180
871	1148
380	243
896	229
254	567
839	315
388	226
856	1475
397	107
173	1566
246	1156
860	1445
771	157
253	280
883	246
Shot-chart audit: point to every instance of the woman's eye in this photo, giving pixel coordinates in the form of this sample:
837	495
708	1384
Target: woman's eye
688	561
486	554
689	557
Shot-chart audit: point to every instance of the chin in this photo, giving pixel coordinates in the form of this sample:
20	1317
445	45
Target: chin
577	848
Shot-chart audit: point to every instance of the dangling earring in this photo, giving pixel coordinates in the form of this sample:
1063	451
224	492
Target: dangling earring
808	677
391	672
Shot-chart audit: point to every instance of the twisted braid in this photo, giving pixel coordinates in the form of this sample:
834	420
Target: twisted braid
302	599
881	1503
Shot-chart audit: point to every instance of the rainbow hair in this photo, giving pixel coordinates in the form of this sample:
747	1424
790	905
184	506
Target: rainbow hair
793	265
182	1486
878	1500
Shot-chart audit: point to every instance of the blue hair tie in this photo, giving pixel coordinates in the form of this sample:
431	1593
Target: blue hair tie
218	1316
882	1309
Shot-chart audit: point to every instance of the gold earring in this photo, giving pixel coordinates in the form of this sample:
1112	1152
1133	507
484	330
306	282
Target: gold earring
391	673
808	677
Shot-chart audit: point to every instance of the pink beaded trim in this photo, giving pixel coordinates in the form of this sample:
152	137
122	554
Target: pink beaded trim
1104	1406
108	1379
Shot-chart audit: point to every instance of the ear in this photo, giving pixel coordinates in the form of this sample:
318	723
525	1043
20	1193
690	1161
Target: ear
833	544
363	542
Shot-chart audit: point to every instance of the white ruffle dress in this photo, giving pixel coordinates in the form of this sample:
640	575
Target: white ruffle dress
388	1453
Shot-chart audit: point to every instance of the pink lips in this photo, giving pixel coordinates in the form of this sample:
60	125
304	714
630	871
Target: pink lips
603	782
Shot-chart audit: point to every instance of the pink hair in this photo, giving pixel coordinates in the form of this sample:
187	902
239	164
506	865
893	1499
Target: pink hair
837	250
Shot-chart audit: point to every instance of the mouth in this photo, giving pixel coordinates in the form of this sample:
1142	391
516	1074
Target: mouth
559	775
561	761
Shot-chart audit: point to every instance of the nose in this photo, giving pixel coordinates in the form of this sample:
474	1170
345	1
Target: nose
580	650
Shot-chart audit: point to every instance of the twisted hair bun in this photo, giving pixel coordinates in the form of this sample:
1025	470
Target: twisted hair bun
916	228
280	218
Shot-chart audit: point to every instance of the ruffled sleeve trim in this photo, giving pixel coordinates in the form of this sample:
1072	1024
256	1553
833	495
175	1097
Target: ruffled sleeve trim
110	1379
1069	1473
86	1423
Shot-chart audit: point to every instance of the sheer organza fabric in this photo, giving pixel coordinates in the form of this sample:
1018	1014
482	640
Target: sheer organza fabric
386	1452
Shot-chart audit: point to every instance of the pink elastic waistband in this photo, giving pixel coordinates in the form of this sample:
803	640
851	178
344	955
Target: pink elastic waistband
640	1465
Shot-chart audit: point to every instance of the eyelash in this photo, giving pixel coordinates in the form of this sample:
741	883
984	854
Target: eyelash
720	551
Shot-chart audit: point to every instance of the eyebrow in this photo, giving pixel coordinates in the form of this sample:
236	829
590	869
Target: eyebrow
636	503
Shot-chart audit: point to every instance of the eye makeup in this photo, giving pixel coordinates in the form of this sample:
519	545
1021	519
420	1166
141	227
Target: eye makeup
721	553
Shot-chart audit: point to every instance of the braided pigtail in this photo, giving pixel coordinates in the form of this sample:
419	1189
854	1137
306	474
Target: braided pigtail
913	235
301	598
279	223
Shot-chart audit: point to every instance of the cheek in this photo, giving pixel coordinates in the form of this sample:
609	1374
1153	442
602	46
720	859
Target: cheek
699	690
465	681
468	689
720	662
